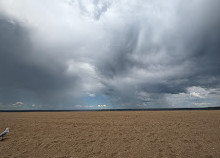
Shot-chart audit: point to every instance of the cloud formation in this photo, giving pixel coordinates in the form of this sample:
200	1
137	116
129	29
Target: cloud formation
135	53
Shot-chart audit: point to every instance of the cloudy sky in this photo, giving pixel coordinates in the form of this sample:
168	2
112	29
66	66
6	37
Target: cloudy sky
89	54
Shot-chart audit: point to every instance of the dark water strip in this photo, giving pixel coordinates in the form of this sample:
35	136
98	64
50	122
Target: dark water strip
150	109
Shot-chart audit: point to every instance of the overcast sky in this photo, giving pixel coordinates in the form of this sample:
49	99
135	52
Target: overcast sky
88	54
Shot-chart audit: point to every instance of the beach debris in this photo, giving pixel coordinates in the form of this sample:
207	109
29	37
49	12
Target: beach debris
6	131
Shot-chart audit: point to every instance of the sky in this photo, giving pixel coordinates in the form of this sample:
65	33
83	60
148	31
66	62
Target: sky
109	54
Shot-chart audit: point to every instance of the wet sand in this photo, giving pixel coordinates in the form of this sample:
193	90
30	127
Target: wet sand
135	134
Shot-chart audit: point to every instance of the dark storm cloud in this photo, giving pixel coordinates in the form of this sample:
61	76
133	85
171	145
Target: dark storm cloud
42	79
201	41
133	52
188	55
118	60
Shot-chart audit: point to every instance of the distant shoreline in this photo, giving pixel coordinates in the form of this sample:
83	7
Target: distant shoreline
150	109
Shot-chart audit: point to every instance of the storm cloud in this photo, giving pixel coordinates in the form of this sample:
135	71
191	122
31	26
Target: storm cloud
122	54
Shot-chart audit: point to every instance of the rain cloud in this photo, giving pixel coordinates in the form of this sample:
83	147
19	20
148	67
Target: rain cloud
66	54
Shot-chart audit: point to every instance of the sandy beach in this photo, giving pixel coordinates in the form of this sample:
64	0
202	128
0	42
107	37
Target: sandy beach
134	134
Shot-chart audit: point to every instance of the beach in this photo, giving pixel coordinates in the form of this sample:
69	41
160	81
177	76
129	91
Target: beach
105	134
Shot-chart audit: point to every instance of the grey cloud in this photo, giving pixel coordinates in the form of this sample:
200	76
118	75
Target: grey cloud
43	79
135	53
118	56
98	8
188	55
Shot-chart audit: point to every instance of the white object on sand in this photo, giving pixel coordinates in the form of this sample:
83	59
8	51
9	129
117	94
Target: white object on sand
4	133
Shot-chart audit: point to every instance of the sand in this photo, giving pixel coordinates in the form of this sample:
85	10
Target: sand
135	134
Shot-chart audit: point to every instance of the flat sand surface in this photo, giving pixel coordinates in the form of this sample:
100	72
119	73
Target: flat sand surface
136	134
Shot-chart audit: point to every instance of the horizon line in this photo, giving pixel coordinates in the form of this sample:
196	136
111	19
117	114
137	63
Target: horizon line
128	109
